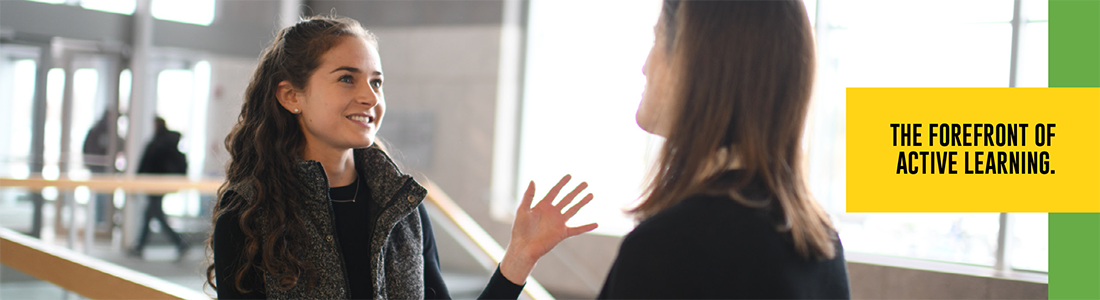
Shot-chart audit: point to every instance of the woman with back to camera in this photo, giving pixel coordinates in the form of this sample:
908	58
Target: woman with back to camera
313	208
727	213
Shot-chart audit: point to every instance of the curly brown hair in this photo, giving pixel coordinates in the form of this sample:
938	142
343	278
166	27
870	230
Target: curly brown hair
264	146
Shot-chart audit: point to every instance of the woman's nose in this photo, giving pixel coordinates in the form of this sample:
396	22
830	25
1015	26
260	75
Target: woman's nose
369	97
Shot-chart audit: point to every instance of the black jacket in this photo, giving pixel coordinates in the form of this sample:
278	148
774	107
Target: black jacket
712	247
162	155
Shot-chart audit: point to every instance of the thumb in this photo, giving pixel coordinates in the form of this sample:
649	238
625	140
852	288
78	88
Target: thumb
572	231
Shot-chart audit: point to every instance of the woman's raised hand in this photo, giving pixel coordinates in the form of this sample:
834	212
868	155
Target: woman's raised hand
537	229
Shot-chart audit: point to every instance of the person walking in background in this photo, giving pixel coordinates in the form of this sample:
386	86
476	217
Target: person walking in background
99	158
162	156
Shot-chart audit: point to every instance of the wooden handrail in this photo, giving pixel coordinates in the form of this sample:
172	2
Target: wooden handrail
88	276
166	184
153	184
478	234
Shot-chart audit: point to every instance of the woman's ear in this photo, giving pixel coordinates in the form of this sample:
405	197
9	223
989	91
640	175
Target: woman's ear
288	97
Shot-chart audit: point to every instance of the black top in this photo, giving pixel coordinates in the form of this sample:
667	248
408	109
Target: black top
353	235
714	247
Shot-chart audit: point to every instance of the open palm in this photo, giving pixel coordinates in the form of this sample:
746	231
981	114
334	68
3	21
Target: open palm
539	228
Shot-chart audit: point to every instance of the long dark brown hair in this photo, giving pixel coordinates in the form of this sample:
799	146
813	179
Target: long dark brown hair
745	72
264	147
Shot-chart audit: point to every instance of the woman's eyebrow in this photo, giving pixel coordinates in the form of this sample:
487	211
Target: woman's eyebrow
349	69
354	70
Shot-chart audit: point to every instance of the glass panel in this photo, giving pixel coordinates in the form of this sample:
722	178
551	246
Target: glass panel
579	102
125	80
85	90
974	55
199	12
1035	10
1032	71
16	108
125	7
1028	244
953	237
877	13
55	87
174	94
18	285
16	209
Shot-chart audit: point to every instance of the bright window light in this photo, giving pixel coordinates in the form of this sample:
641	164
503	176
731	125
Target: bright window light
198	12
49	1
125	7
16	116
85	90
55	85
582	86
174	90
869	43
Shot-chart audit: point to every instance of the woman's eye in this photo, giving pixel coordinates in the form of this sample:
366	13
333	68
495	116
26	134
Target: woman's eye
347	79
376	83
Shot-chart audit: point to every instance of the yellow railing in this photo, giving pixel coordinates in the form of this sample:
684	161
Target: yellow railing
89	279
85	275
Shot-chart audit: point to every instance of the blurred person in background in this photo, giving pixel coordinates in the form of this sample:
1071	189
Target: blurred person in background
99	159
161	157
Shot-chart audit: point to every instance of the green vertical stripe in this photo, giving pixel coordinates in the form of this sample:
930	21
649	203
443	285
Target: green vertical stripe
1074	256
1074	43
1074	61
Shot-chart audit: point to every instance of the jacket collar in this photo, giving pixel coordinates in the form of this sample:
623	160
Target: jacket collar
379	172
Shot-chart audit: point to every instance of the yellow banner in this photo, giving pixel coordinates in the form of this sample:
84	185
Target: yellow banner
973	150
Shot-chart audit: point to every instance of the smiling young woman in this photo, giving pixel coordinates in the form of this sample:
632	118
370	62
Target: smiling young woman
313	208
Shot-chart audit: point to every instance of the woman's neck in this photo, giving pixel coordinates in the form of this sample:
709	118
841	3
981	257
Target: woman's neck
339	164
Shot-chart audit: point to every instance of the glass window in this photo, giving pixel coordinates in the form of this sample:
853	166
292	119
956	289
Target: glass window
1032	70
582	86
182	98
50	1
198	12
125	7
870	43
1028	245
17	92
583	83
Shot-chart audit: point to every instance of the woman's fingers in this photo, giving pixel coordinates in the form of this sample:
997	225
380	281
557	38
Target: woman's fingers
572	231
573	210
525	204
554	191
569	197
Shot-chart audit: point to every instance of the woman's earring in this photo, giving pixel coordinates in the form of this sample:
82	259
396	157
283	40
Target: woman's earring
295	110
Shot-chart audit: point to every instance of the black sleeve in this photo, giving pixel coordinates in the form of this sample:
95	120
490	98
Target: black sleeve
228	244
434	287
500	288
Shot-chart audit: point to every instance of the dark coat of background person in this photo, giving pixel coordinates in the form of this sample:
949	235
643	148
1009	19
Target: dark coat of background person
162	156
99	158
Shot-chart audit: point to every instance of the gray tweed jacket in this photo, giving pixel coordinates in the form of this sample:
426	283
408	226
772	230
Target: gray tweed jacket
396	246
